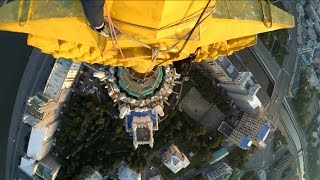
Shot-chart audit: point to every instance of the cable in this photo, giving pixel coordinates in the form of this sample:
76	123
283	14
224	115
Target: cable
264	19
112	31
30	8
148	46
192	30
187	36
164	27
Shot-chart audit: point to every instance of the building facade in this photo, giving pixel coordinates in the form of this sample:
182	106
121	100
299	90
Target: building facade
141	98
48	167
42	114
243	92
251	129
174	159
239	85
141	125
222	69
277	170
221	171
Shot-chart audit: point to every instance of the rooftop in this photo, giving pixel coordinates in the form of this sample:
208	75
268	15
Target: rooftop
136	85
95	176
245	142
56	78
31	120
225	129
219	154
174	159
125	173
243	78
221	171
48	167
35	102
228	67
264	131
37	138
151	113
27	165
143	134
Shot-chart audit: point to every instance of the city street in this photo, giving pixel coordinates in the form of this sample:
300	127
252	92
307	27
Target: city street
263	158
279	99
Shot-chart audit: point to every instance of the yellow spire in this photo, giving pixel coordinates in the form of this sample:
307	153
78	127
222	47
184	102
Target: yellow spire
61	29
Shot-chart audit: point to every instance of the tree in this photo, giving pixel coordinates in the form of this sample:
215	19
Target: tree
100	121
250	175
85	171
178	124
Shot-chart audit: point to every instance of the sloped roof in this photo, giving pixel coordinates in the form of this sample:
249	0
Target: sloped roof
126	173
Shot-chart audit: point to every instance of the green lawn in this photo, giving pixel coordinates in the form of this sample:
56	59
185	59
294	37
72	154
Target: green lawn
156	162
187	85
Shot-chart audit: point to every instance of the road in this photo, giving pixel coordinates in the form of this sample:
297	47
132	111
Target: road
282	79
263	158
32	82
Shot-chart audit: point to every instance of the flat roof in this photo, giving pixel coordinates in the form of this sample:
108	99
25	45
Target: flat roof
36	140
153	116
48	166
264	131
143	134
225	129
35	102
245	142
228	67
56	78
31	120
27	165
219	154
243	78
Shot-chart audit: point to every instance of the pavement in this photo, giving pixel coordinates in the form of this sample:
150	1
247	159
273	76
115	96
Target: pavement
194	104
280	76
199	109
263	158
33	81
279	98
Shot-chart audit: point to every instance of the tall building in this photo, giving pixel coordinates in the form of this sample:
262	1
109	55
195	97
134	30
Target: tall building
48	168
45	107
277	170
221	171
42	113
141	125
61	77
251	129
222	69
41	141
174	159
141	98
239	85
41	110
244	91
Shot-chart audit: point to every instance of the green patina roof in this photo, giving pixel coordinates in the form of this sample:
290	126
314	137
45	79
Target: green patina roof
139	89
